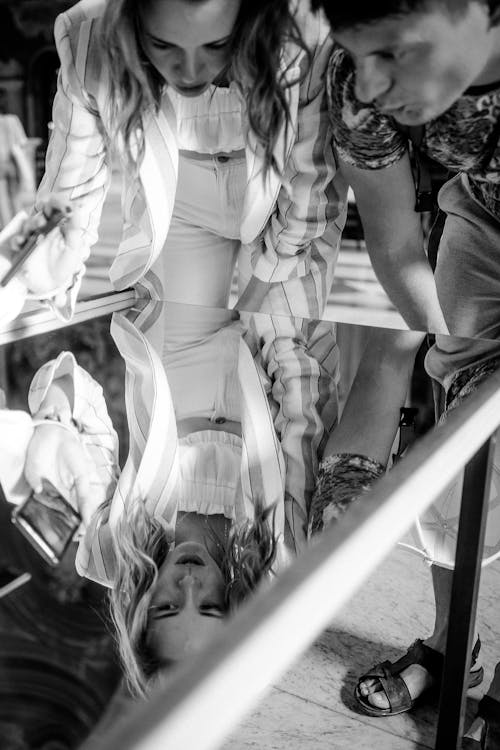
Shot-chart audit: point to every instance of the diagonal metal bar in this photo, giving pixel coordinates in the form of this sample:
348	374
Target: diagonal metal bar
215	691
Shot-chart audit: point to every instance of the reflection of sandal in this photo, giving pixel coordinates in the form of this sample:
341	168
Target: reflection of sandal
394	687
489	710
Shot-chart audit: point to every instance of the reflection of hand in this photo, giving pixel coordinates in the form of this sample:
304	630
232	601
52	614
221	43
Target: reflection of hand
56	457
57	257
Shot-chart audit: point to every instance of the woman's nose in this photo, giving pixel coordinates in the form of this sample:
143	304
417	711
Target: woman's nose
191	69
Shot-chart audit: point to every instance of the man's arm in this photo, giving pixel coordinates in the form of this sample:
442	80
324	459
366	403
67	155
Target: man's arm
370	418
385	199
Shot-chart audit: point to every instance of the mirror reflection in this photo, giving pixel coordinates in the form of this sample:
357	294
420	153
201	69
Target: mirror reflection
201	450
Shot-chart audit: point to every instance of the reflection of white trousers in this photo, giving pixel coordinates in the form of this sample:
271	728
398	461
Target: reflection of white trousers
299	355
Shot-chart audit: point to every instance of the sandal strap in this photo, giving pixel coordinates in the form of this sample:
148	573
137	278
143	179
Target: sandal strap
396	692
475	651
426	657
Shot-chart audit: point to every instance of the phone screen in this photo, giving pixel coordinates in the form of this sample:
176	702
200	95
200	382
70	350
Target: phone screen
49	523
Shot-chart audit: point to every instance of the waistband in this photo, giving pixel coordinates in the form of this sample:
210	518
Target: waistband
221	156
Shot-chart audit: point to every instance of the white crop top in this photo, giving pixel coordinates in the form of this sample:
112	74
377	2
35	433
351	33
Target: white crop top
210	123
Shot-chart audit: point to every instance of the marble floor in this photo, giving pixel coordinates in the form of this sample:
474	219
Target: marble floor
312	707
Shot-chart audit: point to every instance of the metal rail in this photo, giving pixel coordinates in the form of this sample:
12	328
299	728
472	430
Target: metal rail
259	644
38	319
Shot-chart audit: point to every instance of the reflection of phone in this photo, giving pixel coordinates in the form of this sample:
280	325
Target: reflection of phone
30	243
10	581
49	523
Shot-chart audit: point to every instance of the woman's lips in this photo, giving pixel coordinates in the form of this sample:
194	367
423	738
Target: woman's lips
191	90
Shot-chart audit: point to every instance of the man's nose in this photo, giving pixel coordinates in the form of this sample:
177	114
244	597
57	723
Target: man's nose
372	80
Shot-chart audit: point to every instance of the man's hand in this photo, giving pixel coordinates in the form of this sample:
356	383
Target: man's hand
56	458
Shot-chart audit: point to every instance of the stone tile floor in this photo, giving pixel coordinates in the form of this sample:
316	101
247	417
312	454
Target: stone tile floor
313	707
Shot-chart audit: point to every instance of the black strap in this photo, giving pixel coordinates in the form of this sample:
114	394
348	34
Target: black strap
423	180
407	431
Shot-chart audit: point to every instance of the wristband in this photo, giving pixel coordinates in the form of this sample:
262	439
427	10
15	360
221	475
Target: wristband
342	478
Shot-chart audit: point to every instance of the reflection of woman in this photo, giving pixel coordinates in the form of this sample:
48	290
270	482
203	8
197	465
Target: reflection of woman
218	113
205	473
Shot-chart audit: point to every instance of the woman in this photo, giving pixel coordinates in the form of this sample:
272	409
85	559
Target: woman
217	112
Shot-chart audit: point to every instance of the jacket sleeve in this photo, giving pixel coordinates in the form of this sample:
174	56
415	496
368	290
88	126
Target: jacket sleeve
77	162
311	204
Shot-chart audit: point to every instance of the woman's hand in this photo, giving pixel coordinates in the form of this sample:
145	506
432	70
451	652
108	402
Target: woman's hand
56	458
57	257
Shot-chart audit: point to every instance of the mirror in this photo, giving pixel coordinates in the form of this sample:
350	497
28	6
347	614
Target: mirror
193	399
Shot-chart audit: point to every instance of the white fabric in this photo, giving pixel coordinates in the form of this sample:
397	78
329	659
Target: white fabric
201	362
436	531
210	123
210	474
197	262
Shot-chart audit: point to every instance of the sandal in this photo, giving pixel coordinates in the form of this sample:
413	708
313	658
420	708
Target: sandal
489	710
394	687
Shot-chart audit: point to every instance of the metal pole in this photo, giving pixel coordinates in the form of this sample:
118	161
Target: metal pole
470	542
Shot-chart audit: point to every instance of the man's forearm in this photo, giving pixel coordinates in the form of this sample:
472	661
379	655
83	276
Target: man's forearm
407	278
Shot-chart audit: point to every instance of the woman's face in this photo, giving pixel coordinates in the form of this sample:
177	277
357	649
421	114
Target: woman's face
188	605
189	42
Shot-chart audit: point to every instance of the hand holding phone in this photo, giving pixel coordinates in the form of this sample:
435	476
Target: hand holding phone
56	458
47	249
31	242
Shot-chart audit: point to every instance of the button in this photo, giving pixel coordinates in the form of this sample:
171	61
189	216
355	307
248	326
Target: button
220	420
223	159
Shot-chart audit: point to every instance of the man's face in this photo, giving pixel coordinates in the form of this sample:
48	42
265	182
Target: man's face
416	66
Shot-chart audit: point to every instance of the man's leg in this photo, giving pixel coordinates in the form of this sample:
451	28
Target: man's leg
468	282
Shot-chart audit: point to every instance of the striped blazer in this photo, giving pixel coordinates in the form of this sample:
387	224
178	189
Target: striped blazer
294	219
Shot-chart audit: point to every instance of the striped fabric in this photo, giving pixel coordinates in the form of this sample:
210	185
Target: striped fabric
151	470
292	221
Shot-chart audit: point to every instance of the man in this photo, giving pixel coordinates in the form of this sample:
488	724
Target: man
399	64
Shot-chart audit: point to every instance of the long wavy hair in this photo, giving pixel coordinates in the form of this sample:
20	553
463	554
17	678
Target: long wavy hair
141	548
262	29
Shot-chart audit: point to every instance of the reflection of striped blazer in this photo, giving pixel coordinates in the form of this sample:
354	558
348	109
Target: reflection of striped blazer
295	219
151	471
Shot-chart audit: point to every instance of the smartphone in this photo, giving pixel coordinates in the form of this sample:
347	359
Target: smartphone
10	581
31	243
49	523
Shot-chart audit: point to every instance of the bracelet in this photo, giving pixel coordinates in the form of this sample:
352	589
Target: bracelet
342	478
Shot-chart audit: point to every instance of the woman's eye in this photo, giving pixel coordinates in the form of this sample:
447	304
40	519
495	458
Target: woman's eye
211	610
162	45
164	610
218	45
